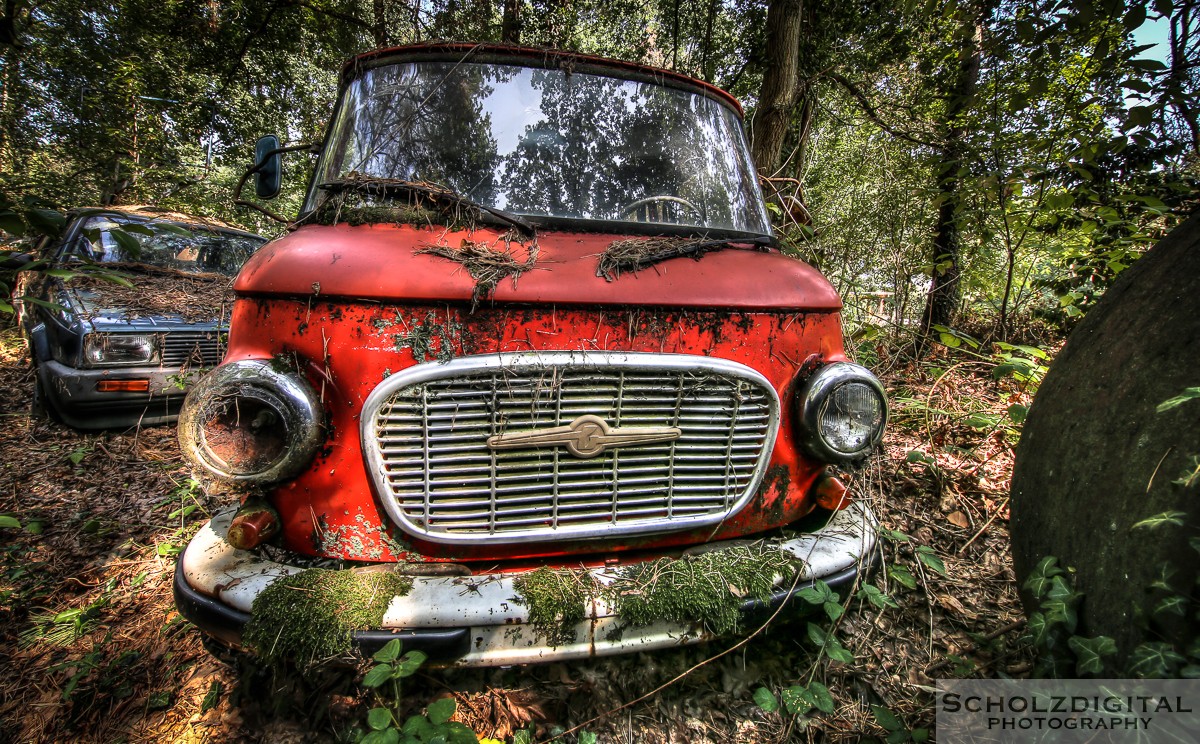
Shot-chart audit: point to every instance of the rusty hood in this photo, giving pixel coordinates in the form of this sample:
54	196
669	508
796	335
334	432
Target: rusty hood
386	262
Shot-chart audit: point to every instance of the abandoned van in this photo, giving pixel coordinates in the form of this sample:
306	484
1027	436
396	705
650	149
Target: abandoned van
527	381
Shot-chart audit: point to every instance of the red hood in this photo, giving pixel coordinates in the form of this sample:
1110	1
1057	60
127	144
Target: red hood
378	262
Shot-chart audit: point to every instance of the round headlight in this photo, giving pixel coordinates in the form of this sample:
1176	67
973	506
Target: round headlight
245	421
842	410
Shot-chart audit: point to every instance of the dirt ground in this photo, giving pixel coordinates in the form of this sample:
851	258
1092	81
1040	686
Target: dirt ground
93	649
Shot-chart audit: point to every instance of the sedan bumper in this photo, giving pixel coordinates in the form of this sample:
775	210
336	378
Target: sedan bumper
474	620
74	395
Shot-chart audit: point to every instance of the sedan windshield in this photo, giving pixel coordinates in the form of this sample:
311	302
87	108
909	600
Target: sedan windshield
165	244
547	143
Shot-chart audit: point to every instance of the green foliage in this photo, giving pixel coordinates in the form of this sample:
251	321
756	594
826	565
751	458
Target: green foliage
384	723
557	601
310	616
1063	654
708	588
1189	394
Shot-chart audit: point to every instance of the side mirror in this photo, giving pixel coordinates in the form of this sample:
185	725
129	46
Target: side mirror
268	167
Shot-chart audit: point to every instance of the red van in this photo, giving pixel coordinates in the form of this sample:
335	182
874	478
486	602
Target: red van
530	330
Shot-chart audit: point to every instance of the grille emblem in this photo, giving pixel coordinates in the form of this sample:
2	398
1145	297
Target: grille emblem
586	436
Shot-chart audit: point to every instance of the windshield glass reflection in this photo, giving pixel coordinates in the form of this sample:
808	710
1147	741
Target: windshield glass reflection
544	142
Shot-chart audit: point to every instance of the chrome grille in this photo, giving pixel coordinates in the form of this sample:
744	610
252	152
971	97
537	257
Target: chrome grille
425	435
192	349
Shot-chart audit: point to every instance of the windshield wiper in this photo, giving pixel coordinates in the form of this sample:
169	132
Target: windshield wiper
394	186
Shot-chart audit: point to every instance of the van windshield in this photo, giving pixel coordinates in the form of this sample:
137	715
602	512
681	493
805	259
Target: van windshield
547	143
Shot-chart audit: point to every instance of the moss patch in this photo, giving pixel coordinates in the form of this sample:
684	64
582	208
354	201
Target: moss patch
310	616
708	588
433	339
557	601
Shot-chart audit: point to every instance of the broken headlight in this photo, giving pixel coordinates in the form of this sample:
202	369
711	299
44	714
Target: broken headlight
248	422
842	411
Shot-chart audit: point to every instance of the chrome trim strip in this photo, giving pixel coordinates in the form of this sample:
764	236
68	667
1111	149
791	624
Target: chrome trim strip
554	360
813	393
289	395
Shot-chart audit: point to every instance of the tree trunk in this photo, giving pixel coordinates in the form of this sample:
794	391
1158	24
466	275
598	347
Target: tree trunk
945	291
1097	455
510	26
1179	90
777	97
379	25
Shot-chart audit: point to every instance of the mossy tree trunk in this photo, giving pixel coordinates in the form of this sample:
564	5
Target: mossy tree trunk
1097	457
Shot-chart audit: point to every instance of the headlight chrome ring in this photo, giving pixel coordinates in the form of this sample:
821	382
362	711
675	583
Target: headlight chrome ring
842	412
247	422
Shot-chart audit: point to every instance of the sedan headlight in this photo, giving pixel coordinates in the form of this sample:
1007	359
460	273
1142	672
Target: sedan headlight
119	349
842	411
248	422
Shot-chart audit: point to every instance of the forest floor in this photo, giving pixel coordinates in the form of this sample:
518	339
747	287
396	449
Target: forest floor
92	649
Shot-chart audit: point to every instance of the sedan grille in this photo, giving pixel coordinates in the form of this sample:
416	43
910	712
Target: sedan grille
488	448
192	349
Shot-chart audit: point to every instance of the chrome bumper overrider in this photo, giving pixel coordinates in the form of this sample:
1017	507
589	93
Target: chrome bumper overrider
216	585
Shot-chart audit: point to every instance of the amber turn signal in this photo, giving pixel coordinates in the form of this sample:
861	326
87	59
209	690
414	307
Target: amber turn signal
253	525
831	493
123	386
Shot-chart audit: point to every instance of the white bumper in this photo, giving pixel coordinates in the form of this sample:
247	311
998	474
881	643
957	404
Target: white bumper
485	603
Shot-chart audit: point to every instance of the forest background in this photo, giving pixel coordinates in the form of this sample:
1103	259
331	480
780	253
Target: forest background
970	174
1002	158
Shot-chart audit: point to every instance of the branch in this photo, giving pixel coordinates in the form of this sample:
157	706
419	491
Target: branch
873	115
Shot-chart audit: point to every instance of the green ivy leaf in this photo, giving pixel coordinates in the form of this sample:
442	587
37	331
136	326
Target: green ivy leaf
821	697
129	244
817	594
212	698
893	535
418	727
833	610
377	676
1038	628
926	555
1173	518
887	718
902	576
1176	604
766	700
440	711
587	737
389	652
1154	660
838	652
47	221
379	718
1059	604
1039	580
457	733
797	700
877	597
1090	652
1017	413
524	736
409	664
